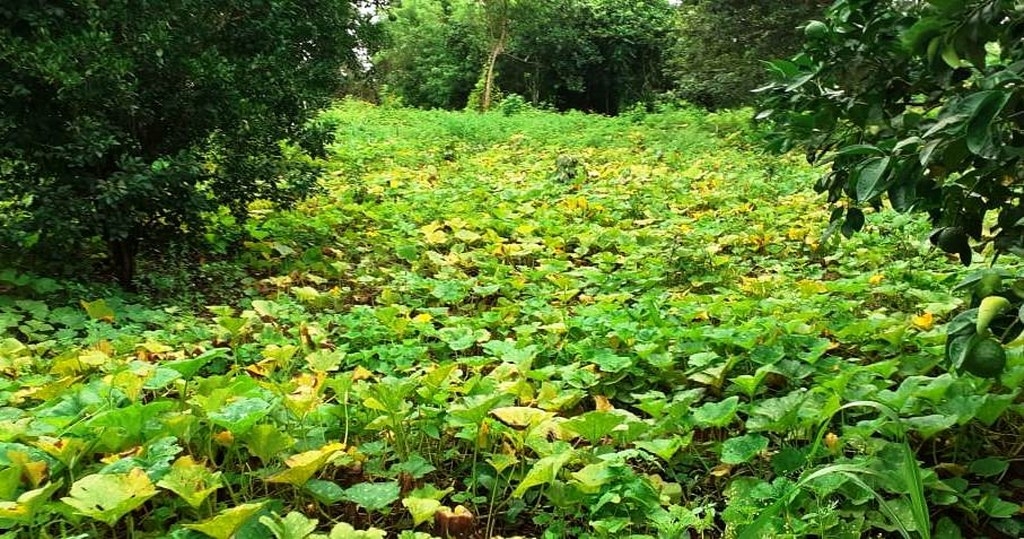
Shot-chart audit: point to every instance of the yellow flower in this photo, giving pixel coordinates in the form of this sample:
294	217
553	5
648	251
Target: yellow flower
924	322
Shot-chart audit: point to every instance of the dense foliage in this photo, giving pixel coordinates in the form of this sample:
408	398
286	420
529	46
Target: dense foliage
571	326
719	49
125	122
597	55
921	104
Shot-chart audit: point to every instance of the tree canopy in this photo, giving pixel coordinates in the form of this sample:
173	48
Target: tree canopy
127	121
921	105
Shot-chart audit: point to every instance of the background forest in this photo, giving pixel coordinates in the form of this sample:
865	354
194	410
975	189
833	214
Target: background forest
593	55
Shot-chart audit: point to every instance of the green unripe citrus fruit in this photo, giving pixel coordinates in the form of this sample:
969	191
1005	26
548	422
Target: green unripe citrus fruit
816	30
986	359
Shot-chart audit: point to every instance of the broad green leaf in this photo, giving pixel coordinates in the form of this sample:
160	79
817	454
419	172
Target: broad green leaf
241	414
594	425
665	448
717	414
501	461
608	361
108	497
998	508
373	496
268	442
930	425
10	482
306	294
457	338
11	348
543	472
415	465
983	108
326	492
741	449
191	480
594	476
871	178
189	367
989	467
225	523
294	525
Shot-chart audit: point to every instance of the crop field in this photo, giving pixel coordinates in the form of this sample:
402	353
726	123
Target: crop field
516	324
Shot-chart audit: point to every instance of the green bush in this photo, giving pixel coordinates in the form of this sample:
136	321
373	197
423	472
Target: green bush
125	122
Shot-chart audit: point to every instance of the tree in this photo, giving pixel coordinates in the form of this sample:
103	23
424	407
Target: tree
720	46
587	54
496	14
126	121
432	53
920	104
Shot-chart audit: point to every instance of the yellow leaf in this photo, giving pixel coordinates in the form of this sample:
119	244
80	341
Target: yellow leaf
602	404
422	318
876	280
722	470
433	234
108	497
63	449
302	466
521	416
227	522
33	472
361	373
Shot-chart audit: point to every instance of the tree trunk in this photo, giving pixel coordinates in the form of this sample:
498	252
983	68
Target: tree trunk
499	47
122	259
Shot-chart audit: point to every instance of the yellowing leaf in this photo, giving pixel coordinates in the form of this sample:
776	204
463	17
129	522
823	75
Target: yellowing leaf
876	279
422	318
108	497
521	416
34	472
302	466
602	404
63	449
421	509
305	396
190	480
433	234
361	373
722	470
98	310
227	522
306	294
24	509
